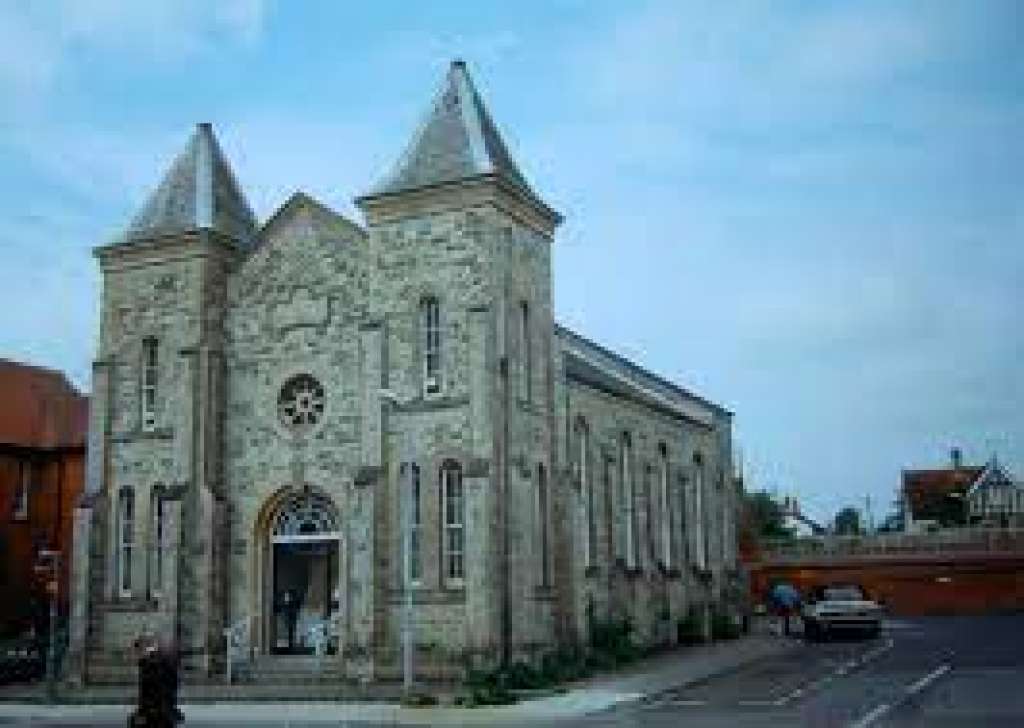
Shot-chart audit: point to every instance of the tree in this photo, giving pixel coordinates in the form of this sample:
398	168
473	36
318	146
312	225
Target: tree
847	522
766	516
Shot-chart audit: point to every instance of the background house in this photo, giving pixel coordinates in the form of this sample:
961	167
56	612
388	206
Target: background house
960	495
42	451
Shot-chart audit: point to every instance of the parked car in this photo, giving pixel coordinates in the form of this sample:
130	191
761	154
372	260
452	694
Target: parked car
834	608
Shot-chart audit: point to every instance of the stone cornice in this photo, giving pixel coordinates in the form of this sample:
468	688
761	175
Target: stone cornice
167	248
485	189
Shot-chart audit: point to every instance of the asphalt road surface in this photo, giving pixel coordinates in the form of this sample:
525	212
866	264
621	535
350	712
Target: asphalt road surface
941	671
948	671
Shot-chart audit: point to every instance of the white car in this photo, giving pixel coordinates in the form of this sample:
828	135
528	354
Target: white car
836	608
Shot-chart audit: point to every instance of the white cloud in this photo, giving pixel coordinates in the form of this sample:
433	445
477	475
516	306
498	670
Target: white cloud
37	41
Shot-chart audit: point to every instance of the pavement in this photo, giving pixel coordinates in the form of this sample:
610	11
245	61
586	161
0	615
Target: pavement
596	695
936	671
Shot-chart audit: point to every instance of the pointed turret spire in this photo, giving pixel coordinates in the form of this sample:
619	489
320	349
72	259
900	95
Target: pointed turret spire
457	140
199	192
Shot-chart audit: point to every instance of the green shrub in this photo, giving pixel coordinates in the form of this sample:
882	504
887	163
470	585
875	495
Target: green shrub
689	631
418	700
723	627
612	641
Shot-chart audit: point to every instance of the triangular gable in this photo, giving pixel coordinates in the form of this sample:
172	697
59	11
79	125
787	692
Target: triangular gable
295	241
991	477
324	221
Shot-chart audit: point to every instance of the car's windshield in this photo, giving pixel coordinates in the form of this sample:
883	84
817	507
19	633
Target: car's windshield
842	593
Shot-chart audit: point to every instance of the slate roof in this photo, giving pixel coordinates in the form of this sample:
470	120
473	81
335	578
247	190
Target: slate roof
41	409
927	491
198	192
456	140
589	361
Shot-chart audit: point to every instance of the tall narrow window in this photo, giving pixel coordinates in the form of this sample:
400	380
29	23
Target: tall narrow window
587	493
684	542
650	515
430	315
156	563
542	523
453	504
415	531
700	539
20	510
126	539
628	494
149	383
666	506
525	371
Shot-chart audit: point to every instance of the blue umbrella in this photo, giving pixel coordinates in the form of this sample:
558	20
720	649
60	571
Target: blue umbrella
784	596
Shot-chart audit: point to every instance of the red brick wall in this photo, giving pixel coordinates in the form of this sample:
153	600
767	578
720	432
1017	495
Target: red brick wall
972	586
56	485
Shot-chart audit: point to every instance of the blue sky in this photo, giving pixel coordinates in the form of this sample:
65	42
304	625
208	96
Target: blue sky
812	212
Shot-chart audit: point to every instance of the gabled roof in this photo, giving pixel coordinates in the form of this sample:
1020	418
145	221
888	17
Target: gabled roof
928	491
199	192
320	214
456	140
993	476
41	408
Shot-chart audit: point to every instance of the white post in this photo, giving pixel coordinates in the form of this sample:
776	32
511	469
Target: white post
407	457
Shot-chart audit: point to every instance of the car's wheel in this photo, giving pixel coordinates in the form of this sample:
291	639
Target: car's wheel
811	631
875	631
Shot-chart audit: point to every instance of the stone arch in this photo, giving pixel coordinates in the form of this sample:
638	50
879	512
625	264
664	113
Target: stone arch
290	512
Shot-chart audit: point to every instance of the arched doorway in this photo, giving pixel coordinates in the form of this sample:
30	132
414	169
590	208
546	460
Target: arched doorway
302	553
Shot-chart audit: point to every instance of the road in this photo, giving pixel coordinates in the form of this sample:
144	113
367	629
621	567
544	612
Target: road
948	671
941	671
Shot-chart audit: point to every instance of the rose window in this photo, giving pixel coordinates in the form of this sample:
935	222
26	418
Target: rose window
301	402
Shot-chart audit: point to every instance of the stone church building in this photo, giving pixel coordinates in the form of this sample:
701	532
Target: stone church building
259	389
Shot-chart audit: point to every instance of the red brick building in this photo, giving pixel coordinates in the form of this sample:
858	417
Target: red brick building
43	422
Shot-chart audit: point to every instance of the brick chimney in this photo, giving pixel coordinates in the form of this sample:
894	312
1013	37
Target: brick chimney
956	458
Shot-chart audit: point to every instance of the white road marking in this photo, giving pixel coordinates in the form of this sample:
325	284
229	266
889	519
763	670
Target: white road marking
912	689
871	717
839	671
928	679
756	703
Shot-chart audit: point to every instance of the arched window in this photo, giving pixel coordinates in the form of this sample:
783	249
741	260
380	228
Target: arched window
149	383
156	542
699	525
627	494
415	533
542	521
126	539
305	512
684	504
454	523
586	493
430	326
525	371
666	506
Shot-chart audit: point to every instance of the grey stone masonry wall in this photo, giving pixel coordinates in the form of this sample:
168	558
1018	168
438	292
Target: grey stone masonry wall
291	382
637	555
